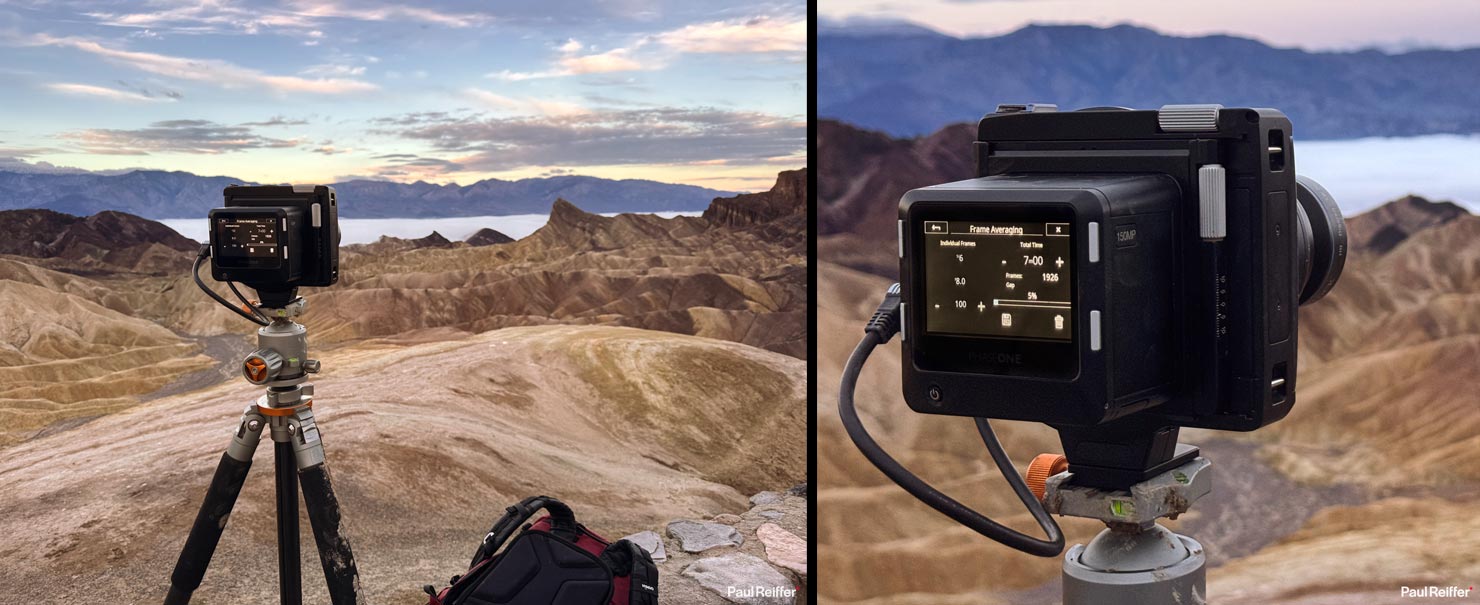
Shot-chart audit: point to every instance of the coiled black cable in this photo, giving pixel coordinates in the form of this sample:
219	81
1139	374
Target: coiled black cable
881	328
254	317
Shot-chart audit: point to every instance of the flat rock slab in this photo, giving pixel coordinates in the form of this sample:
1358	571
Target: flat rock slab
699	536
765	498
651	542
742	578
783	548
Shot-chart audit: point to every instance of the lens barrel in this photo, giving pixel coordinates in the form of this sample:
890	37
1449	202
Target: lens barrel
1321	240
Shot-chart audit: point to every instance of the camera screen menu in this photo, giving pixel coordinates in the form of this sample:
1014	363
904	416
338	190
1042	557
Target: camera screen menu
246	238
1001	279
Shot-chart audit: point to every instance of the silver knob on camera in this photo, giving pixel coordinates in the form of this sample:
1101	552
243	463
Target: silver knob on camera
1212	195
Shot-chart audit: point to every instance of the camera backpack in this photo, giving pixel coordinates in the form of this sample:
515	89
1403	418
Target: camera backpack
553	561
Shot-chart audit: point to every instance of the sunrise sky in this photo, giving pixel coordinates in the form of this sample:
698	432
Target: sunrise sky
705	92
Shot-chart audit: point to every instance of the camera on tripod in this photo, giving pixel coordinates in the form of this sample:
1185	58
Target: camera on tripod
1116	274
275	238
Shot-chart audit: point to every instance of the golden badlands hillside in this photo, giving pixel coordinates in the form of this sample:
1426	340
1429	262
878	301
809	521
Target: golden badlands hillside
117	318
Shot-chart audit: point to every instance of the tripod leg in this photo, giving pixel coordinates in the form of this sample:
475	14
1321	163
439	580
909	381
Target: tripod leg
290	561
323	514
221	496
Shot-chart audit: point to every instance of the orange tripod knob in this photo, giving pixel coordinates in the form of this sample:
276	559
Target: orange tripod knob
1041	468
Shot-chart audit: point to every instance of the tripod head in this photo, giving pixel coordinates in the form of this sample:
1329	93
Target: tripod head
281	359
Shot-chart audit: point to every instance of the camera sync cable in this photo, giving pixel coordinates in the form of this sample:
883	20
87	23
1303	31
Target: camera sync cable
255	316
882	327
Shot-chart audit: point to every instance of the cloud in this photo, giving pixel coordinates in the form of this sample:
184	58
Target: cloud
619	59
330	150
757	35
414	118
306	16
24	152
408	166
173	136
211	71
572	63
317	9
277	120
633	136
333	70
111	94
764	34
523	106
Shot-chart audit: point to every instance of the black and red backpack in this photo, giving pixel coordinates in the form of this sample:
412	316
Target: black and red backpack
554	561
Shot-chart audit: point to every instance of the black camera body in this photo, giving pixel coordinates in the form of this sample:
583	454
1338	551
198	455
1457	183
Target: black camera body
275	238
1116	274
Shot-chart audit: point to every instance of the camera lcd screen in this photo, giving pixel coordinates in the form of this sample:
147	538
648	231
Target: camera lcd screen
247	241
999	279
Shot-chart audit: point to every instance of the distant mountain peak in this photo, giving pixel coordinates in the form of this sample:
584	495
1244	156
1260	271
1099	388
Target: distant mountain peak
487	237
563	211
1384	227
874	26
893	83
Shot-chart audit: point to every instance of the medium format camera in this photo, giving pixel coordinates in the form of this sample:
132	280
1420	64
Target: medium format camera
275	238
1116	274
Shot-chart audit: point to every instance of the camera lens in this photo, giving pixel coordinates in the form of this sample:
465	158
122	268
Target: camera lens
1321	240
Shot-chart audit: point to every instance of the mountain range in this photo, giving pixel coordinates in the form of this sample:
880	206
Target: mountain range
908	80
158	194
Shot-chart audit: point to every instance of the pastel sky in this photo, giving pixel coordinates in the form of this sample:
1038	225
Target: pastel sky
706	92
1309	24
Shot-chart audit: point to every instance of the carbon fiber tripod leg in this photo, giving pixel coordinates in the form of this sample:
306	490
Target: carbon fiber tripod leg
290	561
323	514
221	496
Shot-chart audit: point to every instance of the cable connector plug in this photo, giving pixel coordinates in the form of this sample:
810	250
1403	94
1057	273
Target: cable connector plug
885	322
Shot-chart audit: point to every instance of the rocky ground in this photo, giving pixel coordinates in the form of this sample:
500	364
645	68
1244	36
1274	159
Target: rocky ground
713	562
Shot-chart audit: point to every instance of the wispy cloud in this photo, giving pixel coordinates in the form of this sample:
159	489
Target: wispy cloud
306	16
316	9
211	71
511	105
173	136
757	35
277	120
111	94
572	62
685	136
764	34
